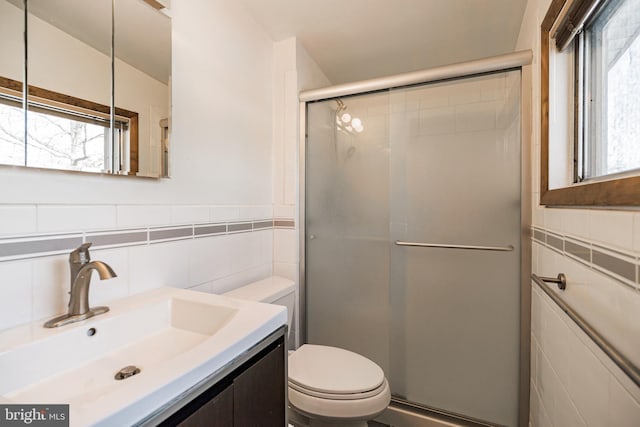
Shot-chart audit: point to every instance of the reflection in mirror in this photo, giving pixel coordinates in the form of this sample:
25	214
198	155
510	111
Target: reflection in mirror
12	120
69	77
70	124
142	75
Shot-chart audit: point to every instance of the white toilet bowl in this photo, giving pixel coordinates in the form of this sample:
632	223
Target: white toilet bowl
327	386
332	386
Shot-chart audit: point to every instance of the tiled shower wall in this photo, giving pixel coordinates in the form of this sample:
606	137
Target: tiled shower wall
573	383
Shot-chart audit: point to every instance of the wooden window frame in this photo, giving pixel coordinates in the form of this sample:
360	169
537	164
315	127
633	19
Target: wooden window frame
72	101
615	192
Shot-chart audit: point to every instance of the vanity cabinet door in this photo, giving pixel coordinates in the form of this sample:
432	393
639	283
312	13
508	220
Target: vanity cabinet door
216	412
259	392
252	395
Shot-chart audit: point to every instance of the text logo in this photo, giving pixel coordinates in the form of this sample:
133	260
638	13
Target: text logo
34	415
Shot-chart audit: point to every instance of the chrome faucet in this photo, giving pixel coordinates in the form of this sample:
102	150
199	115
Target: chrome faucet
81	268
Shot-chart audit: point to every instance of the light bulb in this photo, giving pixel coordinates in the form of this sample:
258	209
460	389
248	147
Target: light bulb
346	118
356	122
359	129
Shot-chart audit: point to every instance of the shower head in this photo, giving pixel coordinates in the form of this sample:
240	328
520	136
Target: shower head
344	121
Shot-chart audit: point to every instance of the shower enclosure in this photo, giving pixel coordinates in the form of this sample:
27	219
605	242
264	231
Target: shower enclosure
413	240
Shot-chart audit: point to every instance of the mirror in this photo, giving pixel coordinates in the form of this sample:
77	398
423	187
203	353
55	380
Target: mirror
73	85
12	118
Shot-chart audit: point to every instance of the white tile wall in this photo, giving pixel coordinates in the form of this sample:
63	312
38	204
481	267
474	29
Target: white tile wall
240	278
103	291
159	264
203	267
224	213
284	211
189	214
143	215
16	291
18	219
580	389
288	270
609	306
71	218
285	246
37	288
576	222
50	286
612	228
255	212
585	388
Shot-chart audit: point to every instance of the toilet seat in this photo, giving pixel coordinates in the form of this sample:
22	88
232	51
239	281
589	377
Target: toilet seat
321	370
336	383
337	396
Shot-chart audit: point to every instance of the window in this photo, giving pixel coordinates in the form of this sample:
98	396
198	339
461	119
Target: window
608	72
64	132
604	38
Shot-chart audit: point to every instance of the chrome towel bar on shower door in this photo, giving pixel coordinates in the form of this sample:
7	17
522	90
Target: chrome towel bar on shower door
449	246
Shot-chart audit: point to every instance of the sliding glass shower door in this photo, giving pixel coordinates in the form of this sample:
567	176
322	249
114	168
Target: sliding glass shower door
413	239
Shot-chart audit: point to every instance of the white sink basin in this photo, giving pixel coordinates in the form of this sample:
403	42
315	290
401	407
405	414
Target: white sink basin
176	337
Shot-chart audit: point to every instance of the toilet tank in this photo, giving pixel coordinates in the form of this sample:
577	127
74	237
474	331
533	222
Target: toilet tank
273	290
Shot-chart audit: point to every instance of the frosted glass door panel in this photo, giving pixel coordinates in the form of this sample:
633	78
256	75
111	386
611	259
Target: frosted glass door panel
455	179
435	164
347	225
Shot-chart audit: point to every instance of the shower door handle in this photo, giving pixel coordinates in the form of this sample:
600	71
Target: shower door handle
507	248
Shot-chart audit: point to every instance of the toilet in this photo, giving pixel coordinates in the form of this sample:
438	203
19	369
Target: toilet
327	386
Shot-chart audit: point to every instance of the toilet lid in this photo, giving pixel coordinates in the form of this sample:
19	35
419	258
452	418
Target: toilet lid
333	370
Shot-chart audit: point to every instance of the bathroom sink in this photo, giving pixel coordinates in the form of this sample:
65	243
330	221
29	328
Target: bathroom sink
175	337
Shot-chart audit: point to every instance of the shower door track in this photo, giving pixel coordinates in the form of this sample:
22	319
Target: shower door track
400	411
495	64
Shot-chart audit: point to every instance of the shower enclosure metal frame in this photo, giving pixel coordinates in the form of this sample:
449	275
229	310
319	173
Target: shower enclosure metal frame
400	411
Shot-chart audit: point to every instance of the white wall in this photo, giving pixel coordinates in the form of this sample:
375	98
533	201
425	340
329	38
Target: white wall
221	163
294	70
572	381
11	41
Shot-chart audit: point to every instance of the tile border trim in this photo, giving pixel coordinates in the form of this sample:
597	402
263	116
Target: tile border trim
39	245
623	267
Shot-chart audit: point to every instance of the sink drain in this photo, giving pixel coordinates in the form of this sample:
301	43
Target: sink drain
126	372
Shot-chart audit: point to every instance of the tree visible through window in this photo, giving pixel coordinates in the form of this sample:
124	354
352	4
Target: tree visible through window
612	80
64	132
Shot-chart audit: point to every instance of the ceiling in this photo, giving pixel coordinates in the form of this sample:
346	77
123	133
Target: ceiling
354	40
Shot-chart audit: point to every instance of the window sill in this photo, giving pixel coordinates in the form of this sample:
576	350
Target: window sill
617	192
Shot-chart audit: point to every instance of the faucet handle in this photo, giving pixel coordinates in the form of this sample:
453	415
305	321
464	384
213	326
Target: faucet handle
80	255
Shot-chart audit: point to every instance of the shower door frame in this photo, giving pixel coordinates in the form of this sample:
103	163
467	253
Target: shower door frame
399	410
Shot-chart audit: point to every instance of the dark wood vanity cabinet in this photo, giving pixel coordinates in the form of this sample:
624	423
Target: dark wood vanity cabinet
252	395
259	392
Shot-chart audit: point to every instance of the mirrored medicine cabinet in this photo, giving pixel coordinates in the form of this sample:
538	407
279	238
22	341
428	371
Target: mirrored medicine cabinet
85	86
